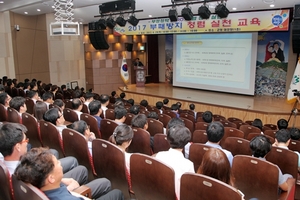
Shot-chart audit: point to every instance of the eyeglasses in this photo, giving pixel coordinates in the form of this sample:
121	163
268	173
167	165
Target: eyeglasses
60	116
26	140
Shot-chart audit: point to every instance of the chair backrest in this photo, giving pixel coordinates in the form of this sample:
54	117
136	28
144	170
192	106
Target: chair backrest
196	153
233	119
111	165
6	190
253	135
193	186
59	95
110	114
140	142
217	117
285	159
253	175
189	124
76	145
85	109
145	112
13	116
187	116
239	123
68	103
160	143
271	126
14	92
128	119
199	136
33	129
231	132
164	119
156	183
294	145
67	95
201	125
229	124
107	128
21	92
155	126
154	109
51	138
92	122
270	133
26	191
30	105
70	115
170	113
3	113
237	146
249	129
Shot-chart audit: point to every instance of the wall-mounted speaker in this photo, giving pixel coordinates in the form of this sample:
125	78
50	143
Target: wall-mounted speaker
297	11
98	40
296	36
128	46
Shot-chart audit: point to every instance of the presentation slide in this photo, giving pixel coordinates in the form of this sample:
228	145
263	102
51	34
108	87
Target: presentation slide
223	62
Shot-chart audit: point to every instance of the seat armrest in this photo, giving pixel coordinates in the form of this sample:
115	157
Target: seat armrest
84	191
290	193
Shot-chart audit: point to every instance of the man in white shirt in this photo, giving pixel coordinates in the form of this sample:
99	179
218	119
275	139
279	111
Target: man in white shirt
120	114
89	97
18	103
34	95
104	100
178	136
77	106
48	98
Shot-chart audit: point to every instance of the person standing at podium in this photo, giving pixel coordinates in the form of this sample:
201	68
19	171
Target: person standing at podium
138	63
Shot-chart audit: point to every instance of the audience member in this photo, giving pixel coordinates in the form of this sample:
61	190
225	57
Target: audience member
258	124
119	102
2	89
5	99
260	146
130	101
135	109
18	103
59	104
140	121
33	86
89	97
153	115
114	94
104	100
34	95
47	98
144	103
159	105
95	111
77	106
295	133
122	96
175	109
207	116
166	101
192	108
120	114
282	124
215	132
39	110
55	117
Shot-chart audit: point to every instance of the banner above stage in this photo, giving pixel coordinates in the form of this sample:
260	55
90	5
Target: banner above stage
274	20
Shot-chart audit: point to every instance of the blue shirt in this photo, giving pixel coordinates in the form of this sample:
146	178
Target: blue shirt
60	193
228	153
98	120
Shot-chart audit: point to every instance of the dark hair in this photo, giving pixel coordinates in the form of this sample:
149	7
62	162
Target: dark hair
139	121
144	103
257	123
76	103
174	107
166	101
192	106
120	112
282	135
295	134
159	105
104	98
17	102
174	122
153	115
52	115
282	124
39	110
135	109
122	95
119	102
35	166
94	107
260	146
130	101
179	104
77	94
3	98
88	96
215	132
207	116
215	164
32	85
10	135
31	93
58	102
113	93
63	87
79	126
178	136
47	95
121	134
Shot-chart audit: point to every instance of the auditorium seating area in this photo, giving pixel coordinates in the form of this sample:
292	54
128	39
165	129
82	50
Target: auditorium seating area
149	178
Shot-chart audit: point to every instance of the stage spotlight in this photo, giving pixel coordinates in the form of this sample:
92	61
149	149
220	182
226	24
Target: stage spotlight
204	12
221	10
133	20
173	15
110	22
101	24
121	21
187	13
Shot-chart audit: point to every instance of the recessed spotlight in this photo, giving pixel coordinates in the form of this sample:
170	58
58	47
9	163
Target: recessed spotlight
251	7
1	1
26	13
272	5
150	15
233	8
80	22
268	1
39	10
53	6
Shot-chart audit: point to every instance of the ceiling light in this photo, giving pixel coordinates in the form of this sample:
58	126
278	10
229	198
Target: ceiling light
150	15
252	7
233	8
26	13
1	1
121	21
52	6
187	13
204	12
110	22
272	5
269	1
38	10
133	20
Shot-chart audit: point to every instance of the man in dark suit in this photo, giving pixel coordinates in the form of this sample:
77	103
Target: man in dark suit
278	51
138	62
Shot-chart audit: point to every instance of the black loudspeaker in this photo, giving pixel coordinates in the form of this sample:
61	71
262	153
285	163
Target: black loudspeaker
98	41
117	6
187	14
296	36
128	46
173	15
204	12
297	11
221	11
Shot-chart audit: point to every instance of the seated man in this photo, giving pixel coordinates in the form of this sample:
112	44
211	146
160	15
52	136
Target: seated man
282	124
135	109
89	97
34	95
215	132
104	100
5	99
159	105
48	98
18	103
120	114
77	106
144	103
295	133
175	109
207	116
95	110
178	136
41	169
260	146
55	117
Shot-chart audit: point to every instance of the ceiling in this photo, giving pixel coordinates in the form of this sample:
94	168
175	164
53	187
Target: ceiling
85	10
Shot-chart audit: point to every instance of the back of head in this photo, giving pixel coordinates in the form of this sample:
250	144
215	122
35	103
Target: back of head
257	123
119	102
31	93
122	133
282	135
215	164
47	95
174	107
192	106
166	101
135	109
76	103
153	115
59	103
94	107
89	96
35	166
178	136
179	104
10	135
79	126
139	121
207	116
63	87
174	122
130	101
260	146
159	105
77	94
3	97
282	124
215	132
113	93
39	110
120	112
104	98
51	115
144	103
295	133
17	102
122	95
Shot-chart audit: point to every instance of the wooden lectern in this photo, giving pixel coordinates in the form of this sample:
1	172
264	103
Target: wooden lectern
140	72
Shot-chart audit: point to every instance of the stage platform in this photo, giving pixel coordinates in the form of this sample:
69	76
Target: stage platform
268	109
